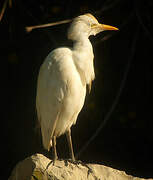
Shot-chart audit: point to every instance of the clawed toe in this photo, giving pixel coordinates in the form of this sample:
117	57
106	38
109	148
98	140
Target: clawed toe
77	162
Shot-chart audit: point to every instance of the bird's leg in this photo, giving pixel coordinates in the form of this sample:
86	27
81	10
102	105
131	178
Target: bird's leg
69	140
68	135
55	157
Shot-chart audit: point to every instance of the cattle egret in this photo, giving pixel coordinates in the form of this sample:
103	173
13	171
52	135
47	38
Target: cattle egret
62	82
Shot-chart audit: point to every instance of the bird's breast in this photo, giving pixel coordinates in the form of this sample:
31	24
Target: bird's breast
84	64
73	102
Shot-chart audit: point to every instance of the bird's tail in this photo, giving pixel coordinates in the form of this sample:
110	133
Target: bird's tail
46	139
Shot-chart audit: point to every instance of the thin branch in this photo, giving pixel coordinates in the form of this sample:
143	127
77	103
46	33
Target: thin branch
127	21
110	6
3	9
10	3
25	9
116	100
107	7
30	28
142	23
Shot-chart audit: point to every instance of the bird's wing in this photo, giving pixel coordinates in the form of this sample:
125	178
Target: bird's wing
51	90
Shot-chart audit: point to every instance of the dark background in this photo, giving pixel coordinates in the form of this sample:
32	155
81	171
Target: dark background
121	91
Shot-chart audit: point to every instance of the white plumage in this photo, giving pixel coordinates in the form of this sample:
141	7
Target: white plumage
62	81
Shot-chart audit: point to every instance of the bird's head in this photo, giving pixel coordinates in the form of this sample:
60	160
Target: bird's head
86	25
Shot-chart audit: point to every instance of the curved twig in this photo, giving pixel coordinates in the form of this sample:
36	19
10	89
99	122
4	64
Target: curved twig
30	28
110	6
114	104
114	33
142	23
3	9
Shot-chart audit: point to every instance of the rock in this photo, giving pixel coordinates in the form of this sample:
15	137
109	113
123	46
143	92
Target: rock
39	167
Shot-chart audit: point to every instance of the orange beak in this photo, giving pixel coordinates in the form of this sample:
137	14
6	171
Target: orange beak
108	27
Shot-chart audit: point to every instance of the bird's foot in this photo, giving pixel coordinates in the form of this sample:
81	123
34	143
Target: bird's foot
87	166
52	161
72	161
77	163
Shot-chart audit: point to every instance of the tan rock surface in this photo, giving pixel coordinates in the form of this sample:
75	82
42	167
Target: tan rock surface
39	167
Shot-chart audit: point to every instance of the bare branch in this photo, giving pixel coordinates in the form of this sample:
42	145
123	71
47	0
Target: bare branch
3	9
142	23
127	21
10	3
116	100
30	28
107	7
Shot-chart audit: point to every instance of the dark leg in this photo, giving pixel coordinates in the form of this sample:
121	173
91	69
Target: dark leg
54	149
69	140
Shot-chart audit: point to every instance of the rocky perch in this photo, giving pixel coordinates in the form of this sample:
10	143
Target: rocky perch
39	167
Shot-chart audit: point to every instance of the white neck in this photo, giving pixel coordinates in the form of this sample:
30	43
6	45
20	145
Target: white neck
83	43
83	59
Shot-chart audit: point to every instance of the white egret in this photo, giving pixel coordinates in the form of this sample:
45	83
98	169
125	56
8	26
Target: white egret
62	82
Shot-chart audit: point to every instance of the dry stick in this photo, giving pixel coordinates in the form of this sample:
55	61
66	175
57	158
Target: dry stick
10	3
107	7
142	24
3	9
30	28
115	32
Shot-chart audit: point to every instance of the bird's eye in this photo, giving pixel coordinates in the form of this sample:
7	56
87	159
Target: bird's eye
93	26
